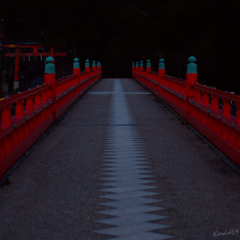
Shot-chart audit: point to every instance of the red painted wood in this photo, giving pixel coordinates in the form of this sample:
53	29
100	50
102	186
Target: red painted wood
43	105
9	159
191	101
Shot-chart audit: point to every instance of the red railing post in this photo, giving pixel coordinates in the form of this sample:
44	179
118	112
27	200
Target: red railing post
192	77
94	66
141	72
87	66
87	69
137	71
50	77
100	69
94	69
76	70
161	72
141	65
137	67
148	69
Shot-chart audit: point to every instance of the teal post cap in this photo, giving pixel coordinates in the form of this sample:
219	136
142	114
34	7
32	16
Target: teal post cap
133	64
141	63
76	63
93	64
87	64
148	63
98	64
136	64
192	66
161	64
49	67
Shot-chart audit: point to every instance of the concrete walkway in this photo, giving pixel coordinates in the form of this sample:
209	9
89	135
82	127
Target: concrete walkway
120	165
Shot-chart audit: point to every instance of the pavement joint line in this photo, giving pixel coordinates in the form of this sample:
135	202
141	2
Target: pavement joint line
113	92
116	125
128	187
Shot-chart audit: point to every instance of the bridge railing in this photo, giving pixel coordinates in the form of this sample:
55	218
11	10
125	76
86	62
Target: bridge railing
214	113
27	115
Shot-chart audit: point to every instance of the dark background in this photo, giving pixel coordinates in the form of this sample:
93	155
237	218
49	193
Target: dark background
118	33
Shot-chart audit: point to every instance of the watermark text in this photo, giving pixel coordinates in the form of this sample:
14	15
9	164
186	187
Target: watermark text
230	232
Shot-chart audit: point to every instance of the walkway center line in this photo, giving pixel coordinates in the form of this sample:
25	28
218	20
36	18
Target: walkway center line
125	162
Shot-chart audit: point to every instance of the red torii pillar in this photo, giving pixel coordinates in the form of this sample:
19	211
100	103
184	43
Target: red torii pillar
35	52
17	67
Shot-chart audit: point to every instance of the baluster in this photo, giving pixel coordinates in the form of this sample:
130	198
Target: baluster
29	103
63	96
205	116
19	134
214	107
226	112
44	100
7	115
58	94
37	103
178	100
2	148
58	89
29	107
44	96
7	119
49	108
173	94
182	100
19	110
238	122
198	112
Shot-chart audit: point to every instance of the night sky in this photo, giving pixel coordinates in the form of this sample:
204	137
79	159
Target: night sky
120	32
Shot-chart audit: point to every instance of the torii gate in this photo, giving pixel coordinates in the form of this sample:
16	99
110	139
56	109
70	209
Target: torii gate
35	46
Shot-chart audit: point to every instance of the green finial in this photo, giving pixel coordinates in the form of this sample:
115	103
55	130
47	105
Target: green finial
161	64
192	66
93	64
98	64
141	63
136	64
76	63
87	64
133	64
49	67
148	63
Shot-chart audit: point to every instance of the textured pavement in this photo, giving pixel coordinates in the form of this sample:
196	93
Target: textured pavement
120	165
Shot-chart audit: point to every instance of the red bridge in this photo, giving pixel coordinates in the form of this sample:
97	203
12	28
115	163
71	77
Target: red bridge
155	158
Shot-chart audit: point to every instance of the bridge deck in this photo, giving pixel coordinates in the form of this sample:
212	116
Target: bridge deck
120	165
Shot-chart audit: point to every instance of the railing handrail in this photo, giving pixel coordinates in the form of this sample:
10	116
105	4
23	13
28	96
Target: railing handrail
27	115
153	73
213	112
67	78
19	96
216	92
178	80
